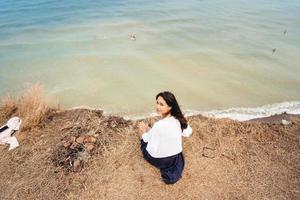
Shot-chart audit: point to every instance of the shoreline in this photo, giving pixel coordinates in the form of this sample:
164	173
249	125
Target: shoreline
231	113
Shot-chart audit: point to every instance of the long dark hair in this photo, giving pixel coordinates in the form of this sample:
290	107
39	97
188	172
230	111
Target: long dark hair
175	109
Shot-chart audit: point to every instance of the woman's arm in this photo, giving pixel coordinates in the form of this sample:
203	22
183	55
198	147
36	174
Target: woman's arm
143	128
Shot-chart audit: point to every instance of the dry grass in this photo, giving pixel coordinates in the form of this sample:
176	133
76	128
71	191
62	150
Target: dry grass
248	161
225	159
8	107
31	107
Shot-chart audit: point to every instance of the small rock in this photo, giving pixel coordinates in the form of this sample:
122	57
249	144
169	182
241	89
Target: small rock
90	139
99	112
113	124
285	122
73	139
84	156
80	139
89	147
90	133
67	144
74	145
76	165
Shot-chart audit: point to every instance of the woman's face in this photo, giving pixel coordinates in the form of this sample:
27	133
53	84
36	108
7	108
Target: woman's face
162	107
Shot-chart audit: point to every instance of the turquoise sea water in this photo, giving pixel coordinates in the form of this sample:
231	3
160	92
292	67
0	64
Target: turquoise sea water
213	54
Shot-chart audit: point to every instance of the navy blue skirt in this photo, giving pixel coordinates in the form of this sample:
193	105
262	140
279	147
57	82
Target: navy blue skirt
170	167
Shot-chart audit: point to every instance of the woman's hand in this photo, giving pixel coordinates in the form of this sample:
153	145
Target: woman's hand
142	128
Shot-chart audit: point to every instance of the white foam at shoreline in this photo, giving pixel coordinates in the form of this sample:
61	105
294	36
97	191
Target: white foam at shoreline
241	113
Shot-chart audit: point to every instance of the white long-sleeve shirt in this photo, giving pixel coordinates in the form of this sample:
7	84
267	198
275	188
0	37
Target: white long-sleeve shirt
13	124
164	138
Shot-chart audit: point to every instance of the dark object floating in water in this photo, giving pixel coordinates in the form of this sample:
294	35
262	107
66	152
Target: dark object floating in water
284	32
132	37
273	50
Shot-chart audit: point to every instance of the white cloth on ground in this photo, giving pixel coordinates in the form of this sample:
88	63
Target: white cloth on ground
6	135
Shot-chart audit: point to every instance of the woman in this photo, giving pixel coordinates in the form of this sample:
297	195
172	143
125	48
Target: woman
162	145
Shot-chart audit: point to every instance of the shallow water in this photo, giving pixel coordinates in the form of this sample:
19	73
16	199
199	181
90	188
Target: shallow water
213	54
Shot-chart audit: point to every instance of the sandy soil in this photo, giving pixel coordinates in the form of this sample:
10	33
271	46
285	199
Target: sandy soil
225	159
